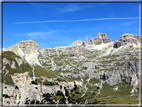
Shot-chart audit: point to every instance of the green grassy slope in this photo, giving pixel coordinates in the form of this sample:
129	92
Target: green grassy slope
121	96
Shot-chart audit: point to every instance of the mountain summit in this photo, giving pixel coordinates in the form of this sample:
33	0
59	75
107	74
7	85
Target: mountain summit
28	50
97	71
101	38
125	39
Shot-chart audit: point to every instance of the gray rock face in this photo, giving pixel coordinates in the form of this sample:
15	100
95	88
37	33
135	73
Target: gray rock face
128	73
25	90
29	50
125	39
28	46
86	64
80	52
101	38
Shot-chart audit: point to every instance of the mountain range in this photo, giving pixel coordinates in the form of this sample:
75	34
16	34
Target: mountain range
97	71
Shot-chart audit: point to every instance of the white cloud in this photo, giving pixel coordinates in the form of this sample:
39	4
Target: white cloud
80	20
43	35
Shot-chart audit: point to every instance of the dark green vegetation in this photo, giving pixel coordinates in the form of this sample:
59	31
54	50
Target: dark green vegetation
46	82
34	82
49	99
6	96
73	97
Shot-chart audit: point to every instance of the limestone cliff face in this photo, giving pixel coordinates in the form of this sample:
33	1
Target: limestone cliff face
85	67
24	89
28	46
29	50
101	38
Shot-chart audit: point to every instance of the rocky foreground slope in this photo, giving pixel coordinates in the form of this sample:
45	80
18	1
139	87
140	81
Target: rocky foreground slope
97	71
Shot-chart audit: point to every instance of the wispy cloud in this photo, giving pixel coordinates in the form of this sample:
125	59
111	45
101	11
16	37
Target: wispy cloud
76	7
80	20
43	35
70	8
86	37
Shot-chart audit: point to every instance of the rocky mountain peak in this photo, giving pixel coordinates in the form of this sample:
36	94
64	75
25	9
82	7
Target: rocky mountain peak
29	50
125	39
77	43
101	38
70	74
28	46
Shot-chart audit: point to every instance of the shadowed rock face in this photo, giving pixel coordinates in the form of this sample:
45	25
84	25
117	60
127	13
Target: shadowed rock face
125	39
117	44
101	38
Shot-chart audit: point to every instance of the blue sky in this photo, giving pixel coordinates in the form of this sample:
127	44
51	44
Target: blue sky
60	24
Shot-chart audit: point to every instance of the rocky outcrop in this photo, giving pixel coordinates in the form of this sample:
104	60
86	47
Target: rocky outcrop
101	38
80	52
80	69
28	50
125	39
77	43
24	89
128	73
